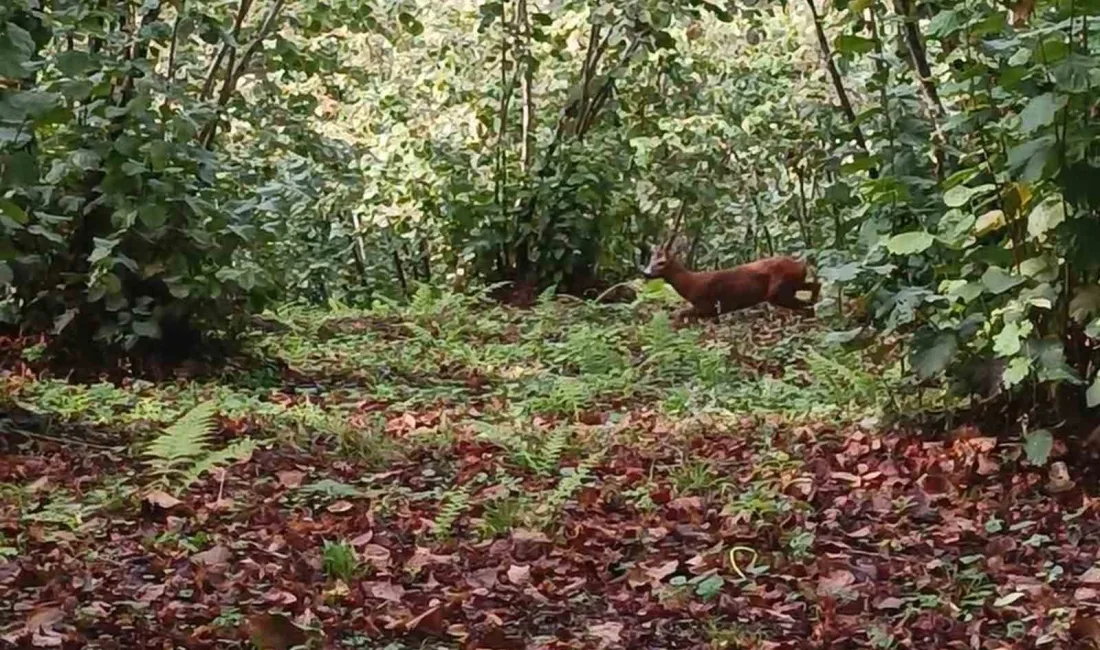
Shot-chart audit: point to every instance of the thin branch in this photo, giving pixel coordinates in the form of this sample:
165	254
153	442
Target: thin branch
234	73
180	12
211	74
834	73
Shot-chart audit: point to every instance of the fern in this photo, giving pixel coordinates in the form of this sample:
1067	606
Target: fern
181	453
546	461
454	506
185	440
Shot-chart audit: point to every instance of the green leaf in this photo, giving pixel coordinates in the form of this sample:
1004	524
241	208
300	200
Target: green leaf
1093	329
7	276
62	321
133	168
12	211
997	280
960	195
963	290
74	63
944	23
103	249
852	44
930	361
149	329
1037	445
410	23
1045	217
1016	371
909	243
1092	396
153	215
1041	268
1009	340
1040	111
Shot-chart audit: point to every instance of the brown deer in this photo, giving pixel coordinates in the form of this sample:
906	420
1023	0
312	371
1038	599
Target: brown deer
775	280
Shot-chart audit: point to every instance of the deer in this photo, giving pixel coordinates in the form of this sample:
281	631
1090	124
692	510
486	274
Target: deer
774	280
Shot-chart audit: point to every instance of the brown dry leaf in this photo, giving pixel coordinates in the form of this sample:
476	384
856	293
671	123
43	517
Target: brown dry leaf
387	591
377	556
291	478
280	597
430	621
339	506
519	574
660	572
609	633
834	583
38	485
214	556
424	557
149	593
275	632
162	499
1090	577
483	578
365	538
48	640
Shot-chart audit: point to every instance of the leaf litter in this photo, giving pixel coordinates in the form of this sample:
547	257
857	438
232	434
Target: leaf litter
796	532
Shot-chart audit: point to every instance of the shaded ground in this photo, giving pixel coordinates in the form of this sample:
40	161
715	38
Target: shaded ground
456	476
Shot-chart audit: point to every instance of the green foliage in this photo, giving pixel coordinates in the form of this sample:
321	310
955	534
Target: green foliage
339	561
181	453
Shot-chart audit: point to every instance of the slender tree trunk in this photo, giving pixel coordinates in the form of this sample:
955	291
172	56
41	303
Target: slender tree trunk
834	74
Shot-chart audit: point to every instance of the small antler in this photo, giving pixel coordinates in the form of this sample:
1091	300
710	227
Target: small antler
675	227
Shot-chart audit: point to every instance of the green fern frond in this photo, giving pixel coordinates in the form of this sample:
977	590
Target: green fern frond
234	452
552	450
454	505
186	439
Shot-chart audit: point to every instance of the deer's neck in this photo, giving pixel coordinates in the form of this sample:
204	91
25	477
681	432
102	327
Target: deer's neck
679	277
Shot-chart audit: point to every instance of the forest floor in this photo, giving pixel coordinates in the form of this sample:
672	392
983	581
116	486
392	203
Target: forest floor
457	475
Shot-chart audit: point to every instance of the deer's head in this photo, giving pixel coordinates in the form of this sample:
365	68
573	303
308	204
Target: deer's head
664	254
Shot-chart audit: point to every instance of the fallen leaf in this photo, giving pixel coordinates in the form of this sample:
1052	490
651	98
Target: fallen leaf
1090	577
1008	599
291	478
660	572
214	556
275	632
608	633
38	485
377	556
835	583
365	538
890	603
149	593
519	574
339	506
162	499
387	591
483	578
46	640
280	597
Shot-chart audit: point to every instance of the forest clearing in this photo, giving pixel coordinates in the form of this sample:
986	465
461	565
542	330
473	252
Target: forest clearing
460	475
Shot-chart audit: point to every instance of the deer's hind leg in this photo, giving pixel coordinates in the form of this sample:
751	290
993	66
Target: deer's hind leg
785	294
